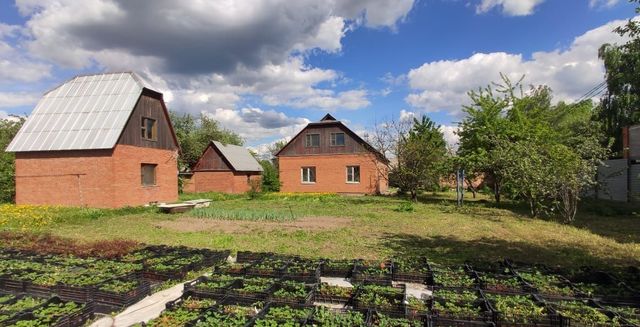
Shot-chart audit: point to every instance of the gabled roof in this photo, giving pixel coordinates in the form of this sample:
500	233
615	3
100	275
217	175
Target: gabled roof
329	120
85	113
239	158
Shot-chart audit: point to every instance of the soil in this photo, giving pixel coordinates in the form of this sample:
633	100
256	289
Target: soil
190	224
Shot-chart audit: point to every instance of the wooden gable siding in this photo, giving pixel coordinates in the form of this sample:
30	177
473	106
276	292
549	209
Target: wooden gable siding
297	146
148	107
211	159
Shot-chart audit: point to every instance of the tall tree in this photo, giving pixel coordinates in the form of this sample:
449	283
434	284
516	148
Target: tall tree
8	129
194	135
620	106
421	155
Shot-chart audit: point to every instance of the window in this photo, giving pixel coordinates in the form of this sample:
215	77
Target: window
353	174
148	174
308	174
337	139
149	129
313	140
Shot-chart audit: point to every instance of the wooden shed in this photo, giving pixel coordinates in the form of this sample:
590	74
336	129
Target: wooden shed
101	140
223	168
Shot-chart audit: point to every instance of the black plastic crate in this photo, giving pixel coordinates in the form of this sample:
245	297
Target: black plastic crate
500	284
300	301
458	297
371	273
412	270
8	284
501	319
396	307
196	286
267	268
250	257
234	269
376	318
74	319
627	312
559	307
108	301
317	320
236	293
302	320
75	293
303	271
40	290
337	268
328	297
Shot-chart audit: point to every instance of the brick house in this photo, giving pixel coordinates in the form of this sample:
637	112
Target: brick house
223	168
100	140
326	156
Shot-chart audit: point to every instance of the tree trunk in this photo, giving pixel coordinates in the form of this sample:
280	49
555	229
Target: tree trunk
496	190
473	190
414	196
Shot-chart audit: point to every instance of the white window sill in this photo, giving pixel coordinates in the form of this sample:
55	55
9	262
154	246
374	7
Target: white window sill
308	183
353	182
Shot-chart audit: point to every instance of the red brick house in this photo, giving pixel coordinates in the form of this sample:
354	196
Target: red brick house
326	156
223	168
100	140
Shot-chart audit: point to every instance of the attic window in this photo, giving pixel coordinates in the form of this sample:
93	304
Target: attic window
149	129
337	139
312	140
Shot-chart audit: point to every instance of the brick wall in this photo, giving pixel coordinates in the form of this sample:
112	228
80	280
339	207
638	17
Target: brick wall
220	181
94	178
331	174
127	176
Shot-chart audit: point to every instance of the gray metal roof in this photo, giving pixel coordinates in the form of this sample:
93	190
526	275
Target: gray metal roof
85	113
239	157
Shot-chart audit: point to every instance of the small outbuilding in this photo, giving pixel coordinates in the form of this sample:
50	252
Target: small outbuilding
223	168
100	140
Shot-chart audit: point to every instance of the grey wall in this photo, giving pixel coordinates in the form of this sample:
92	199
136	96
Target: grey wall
613	179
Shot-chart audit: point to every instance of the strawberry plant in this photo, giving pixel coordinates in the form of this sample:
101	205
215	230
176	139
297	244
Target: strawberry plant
411	264
598	290
581	313
215	319
550	285
216	282
448	277
327	317
174	318
382	320
335	291
517	308
379	297
500	283
291	290
119	286
631	314
22	304
283	316
457	304
6	297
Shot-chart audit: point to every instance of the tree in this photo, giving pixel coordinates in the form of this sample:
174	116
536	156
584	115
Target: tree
8	130
194	135
619	107
421	154
270	178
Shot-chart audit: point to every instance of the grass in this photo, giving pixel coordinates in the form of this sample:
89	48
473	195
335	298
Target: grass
373	228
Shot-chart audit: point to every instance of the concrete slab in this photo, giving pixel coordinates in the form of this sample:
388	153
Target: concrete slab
418	290
143	311
336	281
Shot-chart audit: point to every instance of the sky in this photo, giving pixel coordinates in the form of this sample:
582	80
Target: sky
266	68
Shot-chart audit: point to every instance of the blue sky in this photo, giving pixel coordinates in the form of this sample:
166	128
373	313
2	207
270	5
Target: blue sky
266	68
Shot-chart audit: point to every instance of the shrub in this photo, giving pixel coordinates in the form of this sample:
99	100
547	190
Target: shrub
405	207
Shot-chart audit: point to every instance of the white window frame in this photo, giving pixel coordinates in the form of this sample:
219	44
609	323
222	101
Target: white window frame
353	170
333	139
315	177
307	139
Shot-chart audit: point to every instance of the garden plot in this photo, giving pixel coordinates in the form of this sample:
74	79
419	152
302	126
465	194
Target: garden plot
266	289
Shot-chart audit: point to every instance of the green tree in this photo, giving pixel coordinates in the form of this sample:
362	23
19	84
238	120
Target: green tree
421	157
619	106
194	135
8	129
270	177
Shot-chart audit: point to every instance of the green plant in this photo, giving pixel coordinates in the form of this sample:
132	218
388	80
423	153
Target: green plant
517	308
119	286
458	304
405	207
448	277
243	214
337	291
283	316
500	283
547	284
217	319
327	317
382	320
384	297
631	314
580	313
24	303
291	290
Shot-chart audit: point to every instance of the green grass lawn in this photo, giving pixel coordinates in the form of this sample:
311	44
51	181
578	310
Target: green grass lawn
366	227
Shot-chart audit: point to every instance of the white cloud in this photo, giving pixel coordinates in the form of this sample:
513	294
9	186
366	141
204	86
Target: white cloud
254	124
509	7
16	99
450	136
602	3
443	85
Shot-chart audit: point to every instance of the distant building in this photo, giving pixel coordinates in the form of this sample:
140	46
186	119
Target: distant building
326	156
223	168
100	140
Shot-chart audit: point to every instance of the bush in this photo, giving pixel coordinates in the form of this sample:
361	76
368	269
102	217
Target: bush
405	207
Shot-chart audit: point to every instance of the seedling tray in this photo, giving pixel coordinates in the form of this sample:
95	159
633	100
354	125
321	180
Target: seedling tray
395	309
375	318
248	297
310	272
333	298
482	311
316	320
81	294
206	292
550	319
74	319
337	268
237	269
107	301
250	257
419	272
499	284
373	274
8	284
304	301
556	305
40	290
302	320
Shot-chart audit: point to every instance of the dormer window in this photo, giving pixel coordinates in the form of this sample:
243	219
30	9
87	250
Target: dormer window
337	139
312	140
149	129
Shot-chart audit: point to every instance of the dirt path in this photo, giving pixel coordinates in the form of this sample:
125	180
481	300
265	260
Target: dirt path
190	224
